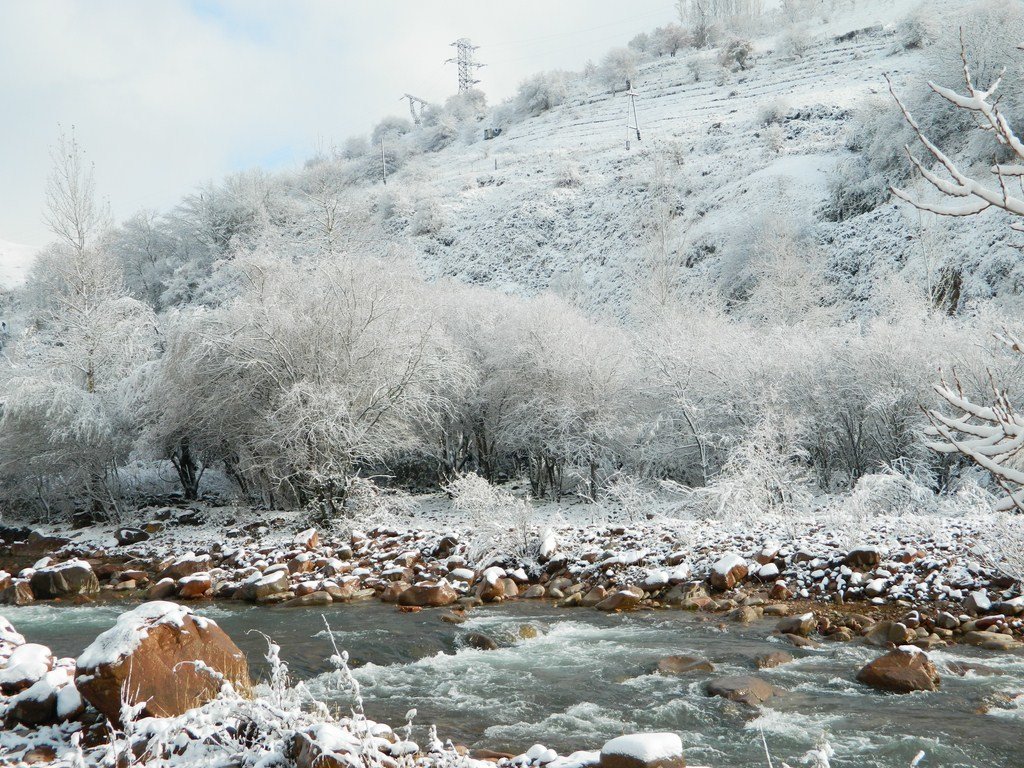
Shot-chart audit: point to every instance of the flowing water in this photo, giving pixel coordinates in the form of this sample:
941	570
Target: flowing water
588	676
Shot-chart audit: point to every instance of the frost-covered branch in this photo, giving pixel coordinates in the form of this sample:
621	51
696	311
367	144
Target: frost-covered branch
967	195
991	436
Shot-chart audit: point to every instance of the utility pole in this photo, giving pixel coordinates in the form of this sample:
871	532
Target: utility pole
466	64
413	101
383	163
631	112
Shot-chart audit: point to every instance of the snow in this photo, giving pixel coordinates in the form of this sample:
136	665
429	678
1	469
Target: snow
645	747
28	662
129	631
727	563
69	700
8	634
15	262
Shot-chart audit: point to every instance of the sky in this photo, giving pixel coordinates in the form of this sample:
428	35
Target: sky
165	95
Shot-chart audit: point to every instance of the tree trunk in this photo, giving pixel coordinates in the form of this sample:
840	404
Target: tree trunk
188	468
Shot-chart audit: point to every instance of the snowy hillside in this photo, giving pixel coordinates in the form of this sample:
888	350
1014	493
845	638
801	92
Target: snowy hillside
15	261
558	201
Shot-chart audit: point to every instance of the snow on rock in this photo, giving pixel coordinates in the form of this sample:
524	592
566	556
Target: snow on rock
548	546
26	665
174	660
643	750
73	577
9	635
728	571
129	631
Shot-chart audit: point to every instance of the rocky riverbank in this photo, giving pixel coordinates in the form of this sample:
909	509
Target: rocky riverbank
911	590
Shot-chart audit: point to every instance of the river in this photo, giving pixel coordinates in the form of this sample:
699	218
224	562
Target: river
588	676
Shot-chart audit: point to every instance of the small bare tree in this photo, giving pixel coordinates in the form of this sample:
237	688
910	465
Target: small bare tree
72	212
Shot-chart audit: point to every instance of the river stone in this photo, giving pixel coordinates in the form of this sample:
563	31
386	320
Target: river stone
429	595
74	577
593	597
992	641
683	665
319	597
144	657
801	625
262	588
744	689
772	659
127	536
162	590
393	591
534	592
863	557
728	571
185	566
312	748
643	750
195	586
480	641
623	600
17	593
491	592
903	670
307	539
800	641
746	614
37	704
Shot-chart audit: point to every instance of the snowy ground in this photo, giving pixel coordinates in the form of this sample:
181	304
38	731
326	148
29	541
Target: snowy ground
510	222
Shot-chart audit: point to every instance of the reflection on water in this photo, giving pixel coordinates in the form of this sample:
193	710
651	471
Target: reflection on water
588	676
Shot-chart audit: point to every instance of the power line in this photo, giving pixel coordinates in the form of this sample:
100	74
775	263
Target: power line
528	41
559	49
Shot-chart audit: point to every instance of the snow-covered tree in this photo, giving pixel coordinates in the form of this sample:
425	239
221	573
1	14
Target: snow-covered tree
313	372
618	67
66	422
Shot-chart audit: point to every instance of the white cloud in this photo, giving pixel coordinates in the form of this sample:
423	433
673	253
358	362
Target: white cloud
167	94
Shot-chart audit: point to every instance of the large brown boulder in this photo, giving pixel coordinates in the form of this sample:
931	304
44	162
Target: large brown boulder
903	670
75	577
744	689
428	595
146	657
643	750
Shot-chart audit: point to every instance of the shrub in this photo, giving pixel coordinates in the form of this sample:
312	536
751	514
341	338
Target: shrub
735	55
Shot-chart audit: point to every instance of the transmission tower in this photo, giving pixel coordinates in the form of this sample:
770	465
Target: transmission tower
413	101
631	113
466	64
